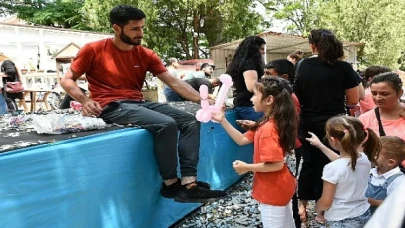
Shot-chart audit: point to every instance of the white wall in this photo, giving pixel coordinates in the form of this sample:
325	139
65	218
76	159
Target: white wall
23	43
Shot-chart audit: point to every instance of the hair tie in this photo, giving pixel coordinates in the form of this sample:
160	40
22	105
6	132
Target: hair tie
345	131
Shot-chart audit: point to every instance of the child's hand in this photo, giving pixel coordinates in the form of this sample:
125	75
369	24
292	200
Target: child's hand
320	218
314	140
245	124
240	167
218	116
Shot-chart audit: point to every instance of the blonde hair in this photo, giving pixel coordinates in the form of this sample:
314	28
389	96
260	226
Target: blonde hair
394	148
351	133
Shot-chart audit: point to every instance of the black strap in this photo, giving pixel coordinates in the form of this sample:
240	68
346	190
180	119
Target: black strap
380	127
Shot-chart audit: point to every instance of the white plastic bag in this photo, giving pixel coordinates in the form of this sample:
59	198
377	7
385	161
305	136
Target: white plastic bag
65	123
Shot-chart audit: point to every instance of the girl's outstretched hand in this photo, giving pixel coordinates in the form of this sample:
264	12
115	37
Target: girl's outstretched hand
218	116
314	140
245	124
240	167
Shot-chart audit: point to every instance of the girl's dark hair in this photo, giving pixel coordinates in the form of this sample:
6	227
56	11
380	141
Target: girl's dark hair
351	133
122	14
391	78
248	49
329	48
372	71
282	112
297	55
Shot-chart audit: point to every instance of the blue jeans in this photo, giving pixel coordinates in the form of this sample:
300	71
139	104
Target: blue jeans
171	95
248	113
356	222
3	104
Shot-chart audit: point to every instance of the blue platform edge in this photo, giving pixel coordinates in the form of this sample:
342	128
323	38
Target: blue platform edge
105	180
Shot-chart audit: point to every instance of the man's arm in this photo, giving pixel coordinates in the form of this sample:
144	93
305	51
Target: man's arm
180	87
68	83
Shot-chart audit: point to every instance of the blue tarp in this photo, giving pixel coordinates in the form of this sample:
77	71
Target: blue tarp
104	180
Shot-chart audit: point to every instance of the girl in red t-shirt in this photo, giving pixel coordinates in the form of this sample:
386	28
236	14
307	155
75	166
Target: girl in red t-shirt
273	137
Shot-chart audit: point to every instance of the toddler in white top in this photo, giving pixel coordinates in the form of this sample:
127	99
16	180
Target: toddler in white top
385	178
343	202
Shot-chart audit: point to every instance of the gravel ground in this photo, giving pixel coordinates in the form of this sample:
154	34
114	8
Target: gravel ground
238	209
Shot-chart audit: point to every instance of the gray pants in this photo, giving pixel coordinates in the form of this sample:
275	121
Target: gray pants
163	121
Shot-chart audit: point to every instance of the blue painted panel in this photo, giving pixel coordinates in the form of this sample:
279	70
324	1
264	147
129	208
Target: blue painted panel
104	180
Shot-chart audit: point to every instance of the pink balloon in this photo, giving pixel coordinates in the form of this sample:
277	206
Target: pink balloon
204	114
226	85
203	92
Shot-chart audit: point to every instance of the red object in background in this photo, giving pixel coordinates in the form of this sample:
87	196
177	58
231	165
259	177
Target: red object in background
193	64
76	105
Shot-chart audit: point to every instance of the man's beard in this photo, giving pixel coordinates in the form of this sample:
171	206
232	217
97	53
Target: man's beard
126	39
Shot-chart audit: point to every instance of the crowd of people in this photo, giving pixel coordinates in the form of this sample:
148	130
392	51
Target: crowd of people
357	162
288	106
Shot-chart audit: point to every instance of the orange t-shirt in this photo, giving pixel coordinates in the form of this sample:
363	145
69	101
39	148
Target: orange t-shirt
273	188
391	127
114	74
367	103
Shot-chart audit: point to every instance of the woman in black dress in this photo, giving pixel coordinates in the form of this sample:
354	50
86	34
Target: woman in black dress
322	84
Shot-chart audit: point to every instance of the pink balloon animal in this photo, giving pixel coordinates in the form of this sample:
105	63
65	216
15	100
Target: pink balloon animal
204	114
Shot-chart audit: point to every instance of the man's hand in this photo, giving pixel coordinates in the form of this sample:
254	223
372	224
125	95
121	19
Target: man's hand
240	167
91	108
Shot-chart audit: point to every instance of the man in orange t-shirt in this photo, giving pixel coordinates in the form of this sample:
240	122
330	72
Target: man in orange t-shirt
115	69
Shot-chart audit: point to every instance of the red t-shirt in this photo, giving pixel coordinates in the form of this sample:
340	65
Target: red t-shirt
273	188
114	74
298	109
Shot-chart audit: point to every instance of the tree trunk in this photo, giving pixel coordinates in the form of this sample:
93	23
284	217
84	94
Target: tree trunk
196	28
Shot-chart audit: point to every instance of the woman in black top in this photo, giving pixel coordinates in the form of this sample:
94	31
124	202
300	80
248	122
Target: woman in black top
246	68
9	69
322	84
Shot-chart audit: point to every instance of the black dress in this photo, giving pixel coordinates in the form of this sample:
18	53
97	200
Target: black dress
320	88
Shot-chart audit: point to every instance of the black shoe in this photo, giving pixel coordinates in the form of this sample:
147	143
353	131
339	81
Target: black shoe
170	191
198	194
203	184
173	190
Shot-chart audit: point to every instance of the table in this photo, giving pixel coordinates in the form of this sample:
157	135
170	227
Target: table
33	96
105	180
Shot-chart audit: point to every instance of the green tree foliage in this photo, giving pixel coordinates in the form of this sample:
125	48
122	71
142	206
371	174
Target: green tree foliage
57	13
300	15
376	24
190	27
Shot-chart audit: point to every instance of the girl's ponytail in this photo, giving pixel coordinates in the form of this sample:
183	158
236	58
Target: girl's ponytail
372	145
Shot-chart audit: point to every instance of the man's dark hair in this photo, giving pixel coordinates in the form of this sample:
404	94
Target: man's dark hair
204	65
122	14
372	71
282	66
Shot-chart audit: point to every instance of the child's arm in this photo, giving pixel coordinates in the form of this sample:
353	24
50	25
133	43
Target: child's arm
314	141
326	200
236	135
242	167
374	202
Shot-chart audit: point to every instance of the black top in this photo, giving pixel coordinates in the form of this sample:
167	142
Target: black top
10	70
320	88
197	82
242	94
